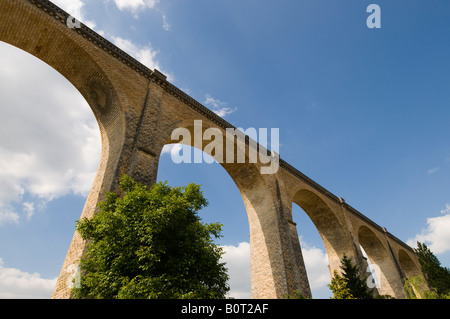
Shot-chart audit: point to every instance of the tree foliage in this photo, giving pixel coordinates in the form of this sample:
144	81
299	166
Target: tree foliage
355	283
438	277
150	243
339	287
417	288
349	285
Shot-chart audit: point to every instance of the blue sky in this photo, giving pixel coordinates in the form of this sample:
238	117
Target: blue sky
363	112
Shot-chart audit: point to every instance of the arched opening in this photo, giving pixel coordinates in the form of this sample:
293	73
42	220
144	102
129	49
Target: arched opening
334	237
314	254
384	268
371	272
407	264
267	262
50	150
225	206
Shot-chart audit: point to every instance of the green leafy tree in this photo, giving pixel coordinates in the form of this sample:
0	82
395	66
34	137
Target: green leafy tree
150	243
417	288
339	287
349	285
351	274
438	277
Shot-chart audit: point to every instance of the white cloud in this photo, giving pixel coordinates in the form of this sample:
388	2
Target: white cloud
16	284
28	209
172	149
135	5
437	234
75	9
238	264
217	106
72	7
316	263
144	54
8	215
49	138
446	210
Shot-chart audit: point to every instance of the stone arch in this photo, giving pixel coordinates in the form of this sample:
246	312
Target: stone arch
49	40
101	98
407	264
26	26
385	270
267	260
336	239
303	227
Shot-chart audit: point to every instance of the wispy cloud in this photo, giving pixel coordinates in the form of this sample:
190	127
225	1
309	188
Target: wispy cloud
8	215
166	25
144	54
433	170
28	209
220	108
446	210
137	6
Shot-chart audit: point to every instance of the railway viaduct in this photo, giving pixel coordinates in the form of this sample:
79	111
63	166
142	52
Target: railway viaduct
137	110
